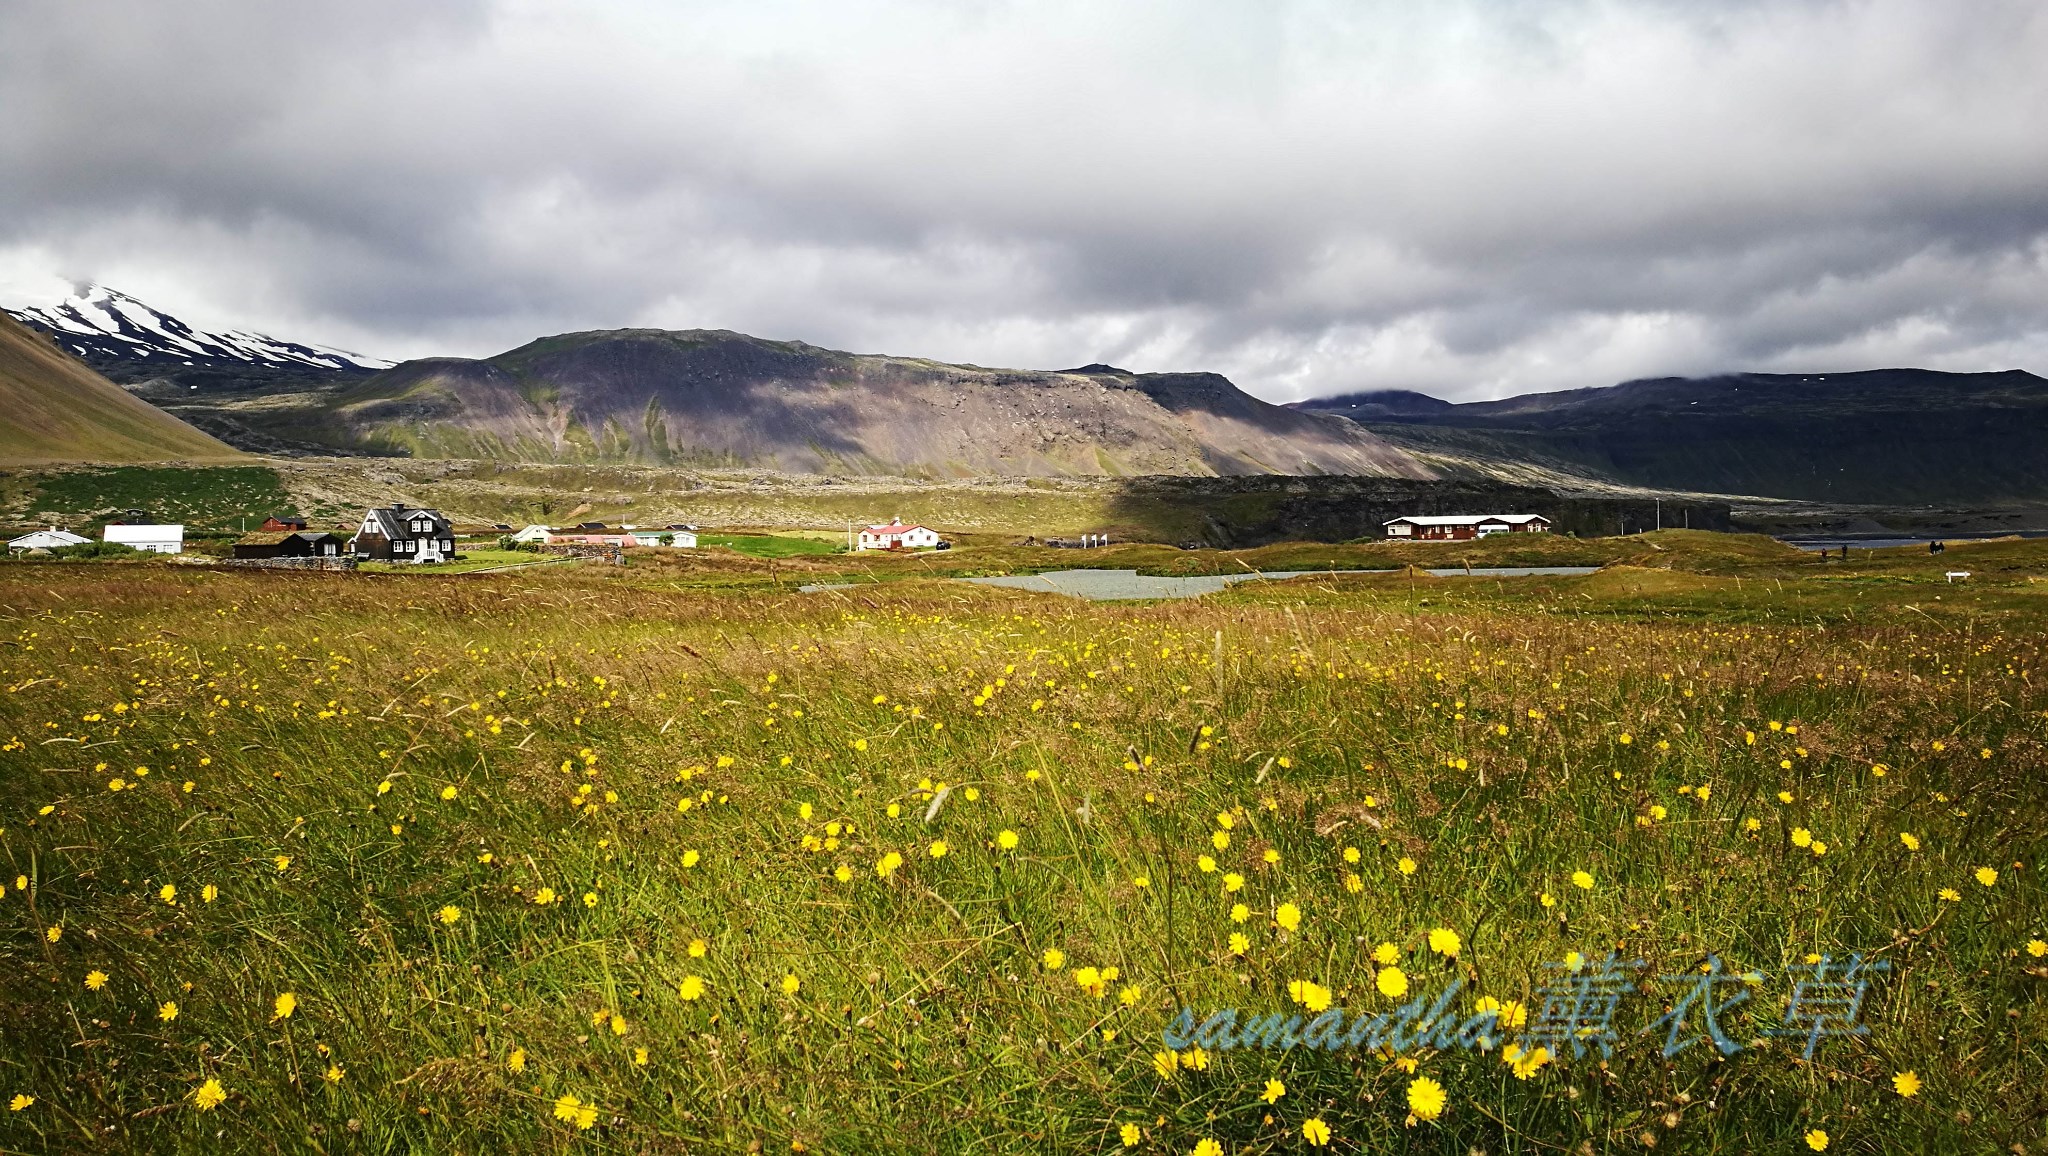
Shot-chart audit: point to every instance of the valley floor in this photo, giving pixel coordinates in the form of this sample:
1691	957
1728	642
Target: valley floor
670	857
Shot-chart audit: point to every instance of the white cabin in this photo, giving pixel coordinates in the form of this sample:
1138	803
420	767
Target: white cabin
154	539
537	535
49	539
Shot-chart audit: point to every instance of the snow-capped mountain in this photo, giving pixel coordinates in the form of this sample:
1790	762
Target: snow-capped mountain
100	325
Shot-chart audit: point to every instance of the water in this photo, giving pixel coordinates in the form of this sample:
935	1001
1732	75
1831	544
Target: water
1129	585
1827	542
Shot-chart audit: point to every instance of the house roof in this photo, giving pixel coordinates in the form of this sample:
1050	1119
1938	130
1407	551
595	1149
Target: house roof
129	532
263	538
896	528
52	536
1467	519
394	521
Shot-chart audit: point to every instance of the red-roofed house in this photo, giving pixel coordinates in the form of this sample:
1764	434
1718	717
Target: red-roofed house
897	536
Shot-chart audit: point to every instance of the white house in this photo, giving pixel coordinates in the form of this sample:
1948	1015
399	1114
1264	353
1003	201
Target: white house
48	539
154	539
897	536
1461	527
534	535
680	539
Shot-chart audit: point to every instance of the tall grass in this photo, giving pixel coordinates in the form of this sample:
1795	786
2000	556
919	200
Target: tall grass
385	773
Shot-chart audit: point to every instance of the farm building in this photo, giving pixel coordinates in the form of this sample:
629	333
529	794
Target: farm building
534	535
680	539
897	536
282	544
1460	527
154	539
277	525
403	534
49	539
582	537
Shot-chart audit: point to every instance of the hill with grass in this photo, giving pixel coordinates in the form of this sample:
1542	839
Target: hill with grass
722	399
1883	436
59	410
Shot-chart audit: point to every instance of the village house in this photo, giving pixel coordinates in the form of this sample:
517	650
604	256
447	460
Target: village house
277	525
403	534
897	536
533	536
151	539
300	544
671	536
1462	527
49	539
597	537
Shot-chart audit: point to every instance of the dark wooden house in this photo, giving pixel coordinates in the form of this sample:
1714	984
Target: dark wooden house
404	534
280	544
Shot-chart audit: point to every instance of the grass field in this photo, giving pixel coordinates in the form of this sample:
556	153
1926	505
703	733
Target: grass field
668	858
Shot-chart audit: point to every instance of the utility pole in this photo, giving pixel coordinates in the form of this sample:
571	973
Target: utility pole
1660	513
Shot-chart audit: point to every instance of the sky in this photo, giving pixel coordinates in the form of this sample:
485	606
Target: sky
1471	198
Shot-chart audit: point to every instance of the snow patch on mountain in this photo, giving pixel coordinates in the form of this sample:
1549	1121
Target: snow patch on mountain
98	324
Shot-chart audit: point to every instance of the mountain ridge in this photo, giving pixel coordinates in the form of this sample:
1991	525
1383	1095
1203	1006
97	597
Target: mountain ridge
716	397
101	324
1866	436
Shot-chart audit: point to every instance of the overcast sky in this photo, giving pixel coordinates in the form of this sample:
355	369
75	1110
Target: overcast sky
1471	199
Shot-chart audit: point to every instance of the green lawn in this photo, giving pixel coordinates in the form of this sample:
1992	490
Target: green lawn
770	545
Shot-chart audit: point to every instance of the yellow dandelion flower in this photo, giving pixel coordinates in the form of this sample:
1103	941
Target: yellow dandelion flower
1987	875
1315	1132
1288	916
1054	959
692	988
1583	880
1392	982
516	1062
1444	941
1911	840
938	849
1274	1090
209	893
209	1095
450	913
2037	948
20	1102
1817	1140
1007	840
95	980
168	893
1406	866
1130	1134
168	1011
1425	1098
791	984
1207	1147
1906	1084
1801	837
1239	943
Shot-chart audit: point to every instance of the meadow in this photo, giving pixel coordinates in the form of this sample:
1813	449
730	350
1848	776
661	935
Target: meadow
670	858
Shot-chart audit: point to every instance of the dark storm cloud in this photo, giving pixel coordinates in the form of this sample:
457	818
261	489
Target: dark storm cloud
1471	198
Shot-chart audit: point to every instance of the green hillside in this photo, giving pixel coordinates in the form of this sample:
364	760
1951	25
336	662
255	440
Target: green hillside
57	410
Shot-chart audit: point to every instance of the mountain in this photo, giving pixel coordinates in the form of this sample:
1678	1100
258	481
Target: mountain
58	410
1886	436
704	397
101	325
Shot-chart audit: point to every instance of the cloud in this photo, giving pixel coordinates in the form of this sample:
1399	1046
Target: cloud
1475	197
